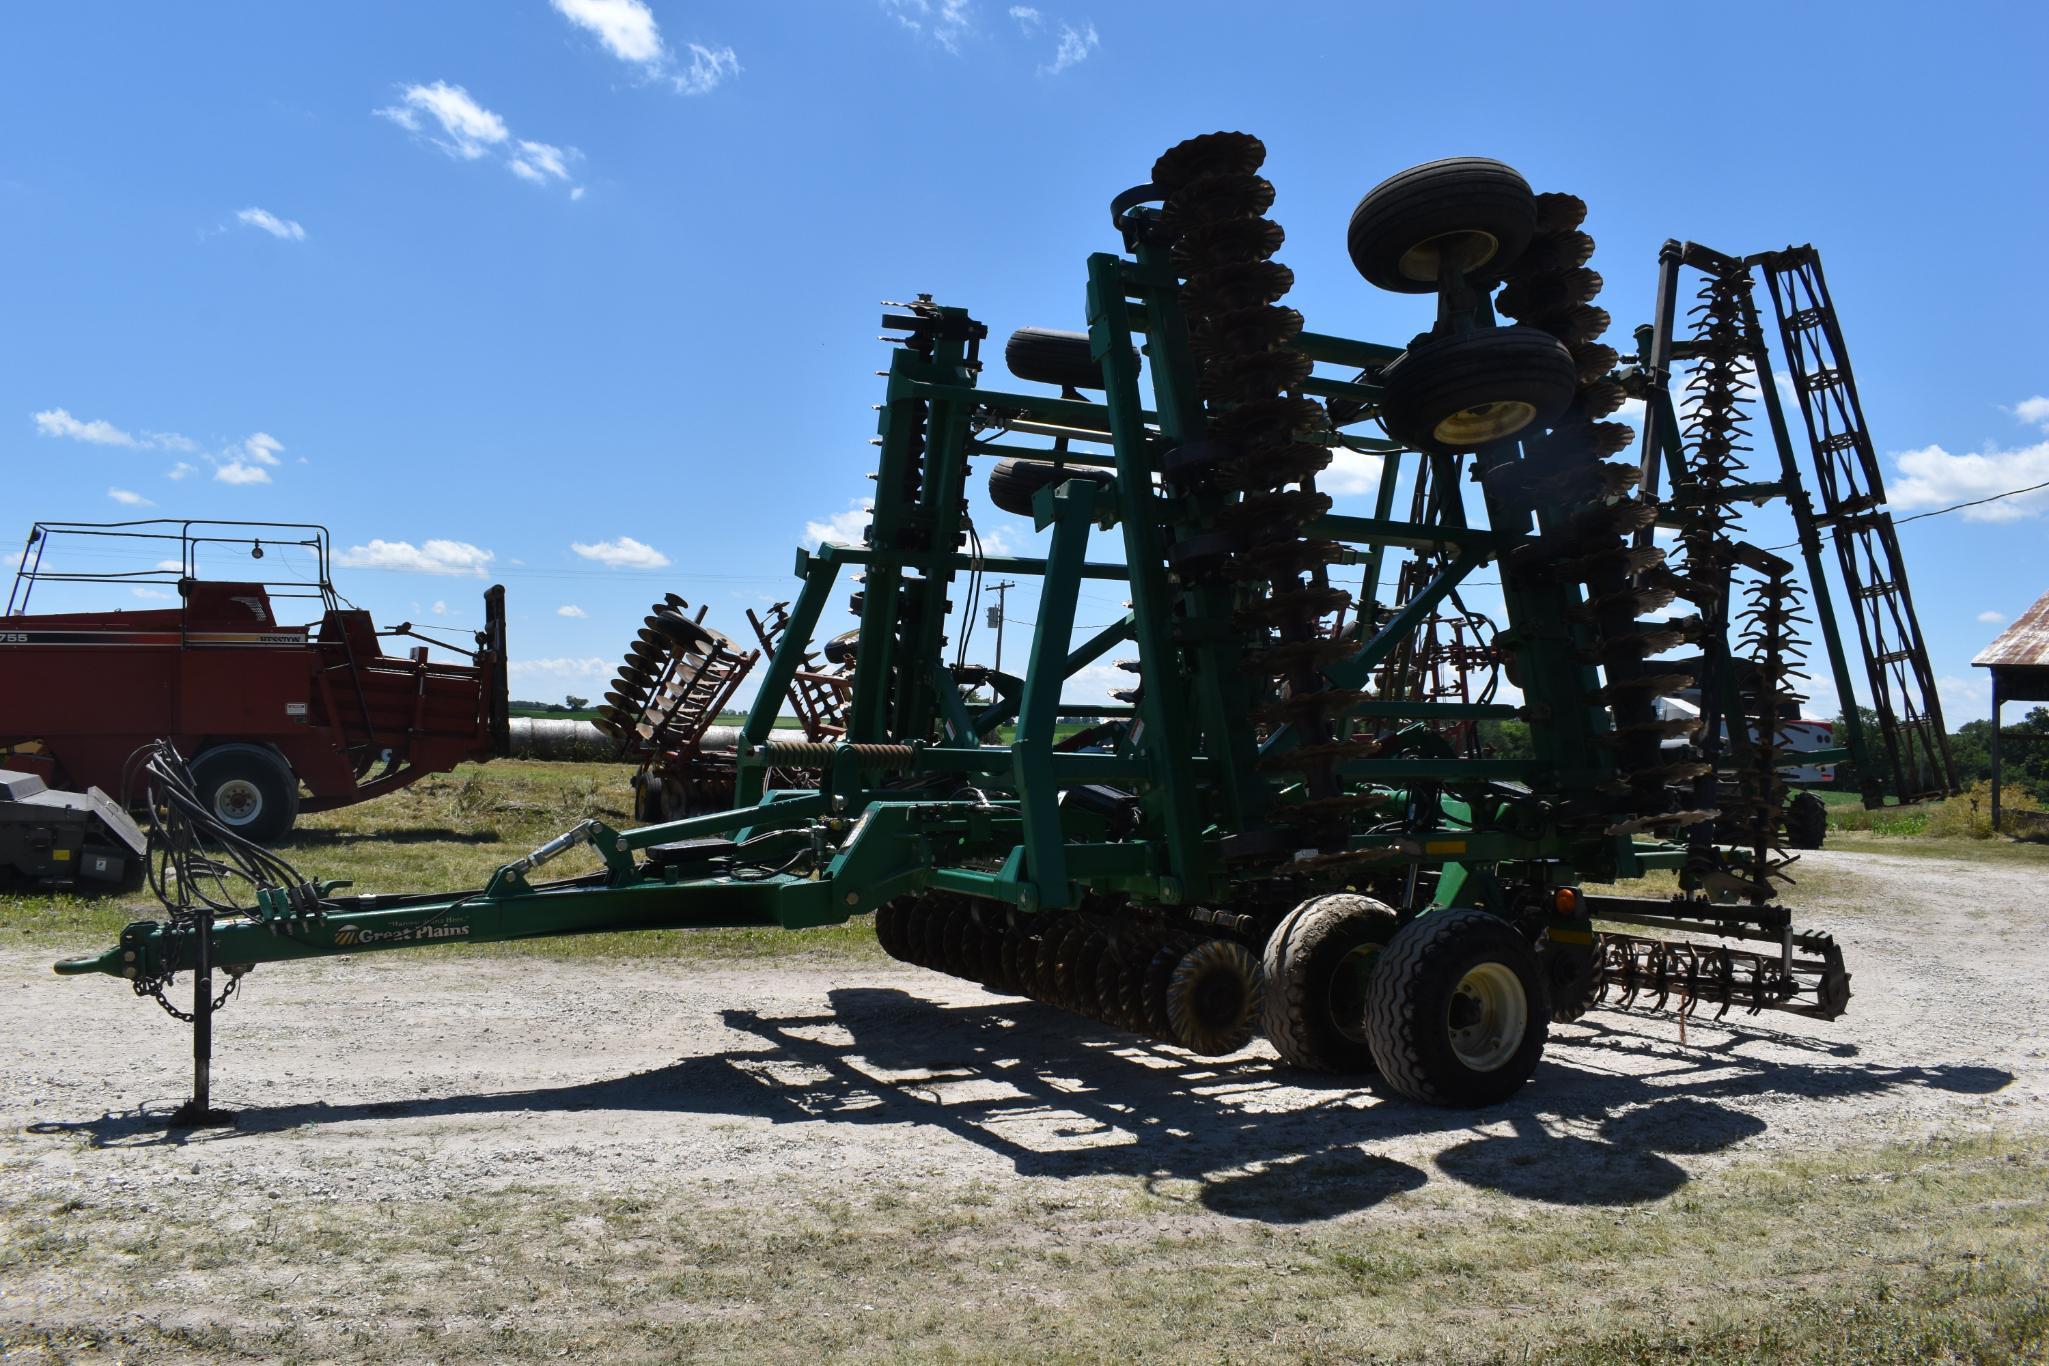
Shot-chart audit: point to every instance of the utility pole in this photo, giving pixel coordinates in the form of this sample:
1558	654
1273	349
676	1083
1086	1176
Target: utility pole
997	616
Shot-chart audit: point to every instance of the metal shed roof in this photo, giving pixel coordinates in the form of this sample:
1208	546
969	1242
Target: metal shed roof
2023	645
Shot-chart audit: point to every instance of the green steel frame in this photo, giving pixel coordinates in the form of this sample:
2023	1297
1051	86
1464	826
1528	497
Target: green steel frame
921	794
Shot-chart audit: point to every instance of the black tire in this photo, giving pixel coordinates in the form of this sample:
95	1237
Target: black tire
1051	356
1806	821
841	648
1442	962
1478	206
1572	977
1317	964
1460	393
248	788
1212	998
647	798
1013	483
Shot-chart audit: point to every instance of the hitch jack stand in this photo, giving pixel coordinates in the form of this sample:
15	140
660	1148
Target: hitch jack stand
198	1112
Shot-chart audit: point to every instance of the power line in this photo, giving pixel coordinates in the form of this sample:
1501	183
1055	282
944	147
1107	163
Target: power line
1953	507
1975	502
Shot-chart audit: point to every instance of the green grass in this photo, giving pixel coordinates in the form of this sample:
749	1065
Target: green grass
1930	1251
449	832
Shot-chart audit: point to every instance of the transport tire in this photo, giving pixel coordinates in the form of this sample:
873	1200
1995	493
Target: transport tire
1012	483
1319	964
1457	394
249	788
840	650
1457	1011
1806	821
1051	356
1476	207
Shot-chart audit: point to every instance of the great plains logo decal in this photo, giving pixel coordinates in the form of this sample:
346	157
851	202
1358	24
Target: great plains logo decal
355	936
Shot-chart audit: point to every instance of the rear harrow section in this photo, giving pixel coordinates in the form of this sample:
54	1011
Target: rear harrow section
1639	972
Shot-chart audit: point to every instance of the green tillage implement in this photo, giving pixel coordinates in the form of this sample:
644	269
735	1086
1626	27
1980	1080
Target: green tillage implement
1258	839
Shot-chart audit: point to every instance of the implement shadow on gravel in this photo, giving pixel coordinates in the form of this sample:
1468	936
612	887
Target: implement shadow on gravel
1059	1097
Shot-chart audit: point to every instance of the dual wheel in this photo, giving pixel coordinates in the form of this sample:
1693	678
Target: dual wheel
1451	1009
1461	221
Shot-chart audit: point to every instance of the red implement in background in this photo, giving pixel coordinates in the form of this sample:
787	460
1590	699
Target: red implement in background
263	709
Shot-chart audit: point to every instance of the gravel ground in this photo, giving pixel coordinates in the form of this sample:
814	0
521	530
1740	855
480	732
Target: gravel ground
474	1074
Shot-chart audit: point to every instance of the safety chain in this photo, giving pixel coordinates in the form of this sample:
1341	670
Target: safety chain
154	986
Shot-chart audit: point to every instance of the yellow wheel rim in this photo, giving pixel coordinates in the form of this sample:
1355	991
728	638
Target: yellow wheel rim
1484	423
1488	1016
1468	249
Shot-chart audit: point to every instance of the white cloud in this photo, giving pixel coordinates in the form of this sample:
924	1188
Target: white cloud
539	162
238	471
129	498
564	668
708	70
1820	691
1073	49
1935	478
622	552
440	608
171	441
432	557
261	448
627	28
58	422
1093	683
2034	410
469	132
844	528
996	538
285	229
570	609
1992	618
1963	699
154	595
1028	19
1350	472
945	22
1632	411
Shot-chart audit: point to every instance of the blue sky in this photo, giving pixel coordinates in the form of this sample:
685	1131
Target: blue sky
580	296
